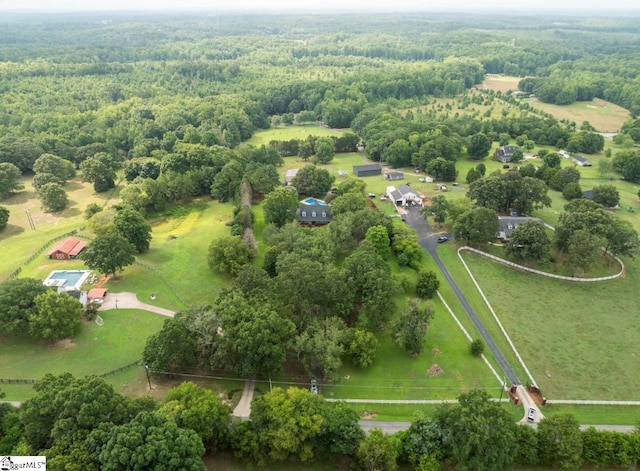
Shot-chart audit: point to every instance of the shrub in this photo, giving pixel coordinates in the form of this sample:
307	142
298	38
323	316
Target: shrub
477	347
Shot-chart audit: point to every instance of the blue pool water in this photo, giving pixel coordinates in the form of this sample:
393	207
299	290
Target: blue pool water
70	277
314	201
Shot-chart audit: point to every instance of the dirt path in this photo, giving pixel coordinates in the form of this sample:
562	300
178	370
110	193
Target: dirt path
130	301
243	409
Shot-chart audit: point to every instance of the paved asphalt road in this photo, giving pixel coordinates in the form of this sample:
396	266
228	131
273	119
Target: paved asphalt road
428	241
393	427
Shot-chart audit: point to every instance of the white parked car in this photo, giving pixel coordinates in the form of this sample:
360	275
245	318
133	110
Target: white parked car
97	301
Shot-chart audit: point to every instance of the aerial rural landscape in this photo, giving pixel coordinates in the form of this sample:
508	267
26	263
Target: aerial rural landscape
320	241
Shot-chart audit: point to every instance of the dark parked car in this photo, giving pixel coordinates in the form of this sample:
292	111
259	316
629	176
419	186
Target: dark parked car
442	239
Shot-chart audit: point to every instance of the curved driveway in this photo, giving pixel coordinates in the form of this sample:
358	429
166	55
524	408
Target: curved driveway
427	240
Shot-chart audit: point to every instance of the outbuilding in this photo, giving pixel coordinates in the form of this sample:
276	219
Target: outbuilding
67	249
369	170
394	175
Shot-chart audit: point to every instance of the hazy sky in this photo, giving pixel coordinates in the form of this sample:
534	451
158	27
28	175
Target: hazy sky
389	5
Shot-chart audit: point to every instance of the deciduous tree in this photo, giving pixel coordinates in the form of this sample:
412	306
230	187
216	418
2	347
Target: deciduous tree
560	441
150	441
56	316
377	452
479	432
17	304
313	181
229	254
528	241
410	330
9	180
362	347
606	195
427	284
4	218
108	253
131	225
324	150
195	408
479	145
53	197
477	226
54	165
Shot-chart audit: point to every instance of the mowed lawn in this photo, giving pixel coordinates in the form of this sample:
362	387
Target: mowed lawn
579	340
604	116
397	374
286	133
95	350
178	253
19	241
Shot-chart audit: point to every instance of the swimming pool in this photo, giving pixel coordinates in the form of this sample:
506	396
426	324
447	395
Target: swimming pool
67	279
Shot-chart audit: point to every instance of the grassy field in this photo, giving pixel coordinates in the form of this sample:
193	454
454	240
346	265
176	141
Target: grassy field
602	115
579	339
19	241
500	83
95	350
445	346
286	133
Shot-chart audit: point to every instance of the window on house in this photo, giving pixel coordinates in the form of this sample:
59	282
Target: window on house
304	214
324	214
313	214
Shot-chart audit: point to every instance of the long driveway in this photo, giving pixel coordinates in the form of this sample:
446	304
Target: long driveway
428	241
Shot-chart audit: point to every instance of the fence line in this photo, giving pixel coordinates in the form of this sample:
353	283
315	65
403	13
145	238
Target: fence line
103	375
542	273
17	271
161	276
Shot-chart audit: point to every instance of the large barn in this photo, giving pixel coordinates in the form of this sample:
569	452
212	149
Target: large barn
368	170
67	249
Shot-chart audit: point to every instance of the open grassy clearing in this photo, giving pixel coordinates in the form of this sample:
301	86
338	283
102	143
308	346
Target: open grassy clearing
95	350
178	251
578	339
602	115
19	241
286	133
445	346
500	83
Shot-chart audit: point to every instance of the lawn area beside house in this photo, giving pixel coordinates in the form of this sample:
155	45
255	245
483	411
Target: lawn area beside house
94	350
579	340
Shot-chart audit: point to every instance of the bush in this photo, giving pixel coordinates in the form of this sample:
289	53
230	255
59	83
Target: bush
477	347
427	284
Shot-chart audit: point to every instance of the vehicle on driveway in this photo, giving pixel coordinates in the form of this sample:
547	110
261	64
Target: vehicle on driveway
442	239
314	386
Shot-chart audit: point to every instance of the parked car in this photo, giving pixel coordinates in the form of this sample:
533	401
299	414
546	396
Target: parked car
442	239
531	414
314	386
97	301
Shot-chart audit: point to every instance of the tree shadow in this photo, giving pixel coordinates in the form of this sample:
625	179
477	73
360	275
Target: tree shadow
10	230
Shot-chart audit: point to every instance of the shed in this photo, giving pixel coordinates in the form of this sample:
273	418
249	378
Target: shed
368	170
394	175
97	293
583	162
66	249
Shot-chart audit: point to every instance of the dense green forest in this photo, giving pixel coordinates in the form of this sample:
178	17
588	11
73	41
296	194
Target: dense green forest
160	106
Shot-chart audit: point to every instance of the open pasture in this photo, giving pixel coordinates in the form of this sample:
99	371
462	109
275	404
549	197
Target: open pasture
579	340
286	133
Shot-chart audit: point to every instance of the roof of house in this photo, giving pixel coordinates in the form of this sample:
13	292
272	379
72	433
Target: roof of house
96	293
394	172
312	210
507	224
579	158
367	167
70	246
506	152
587	194
405	190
